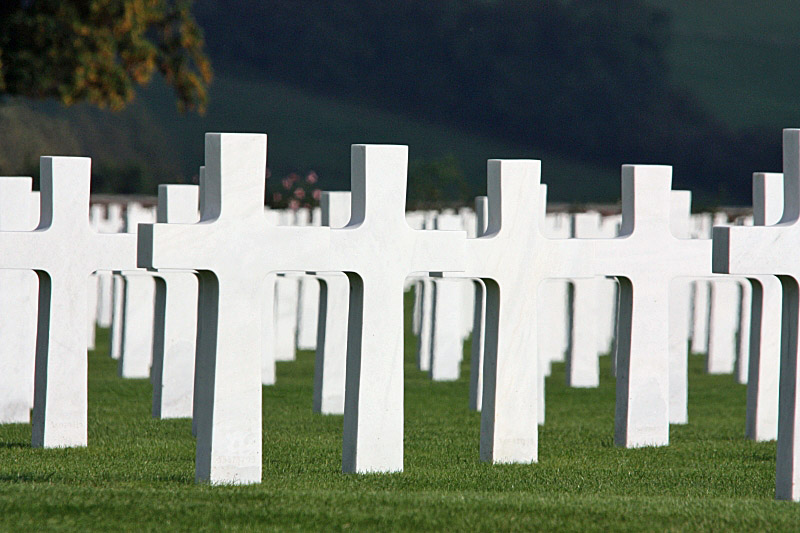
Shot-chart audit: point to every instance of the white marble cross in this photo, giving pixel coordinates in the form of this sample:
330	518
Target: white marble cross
138	307
110	223
286	305
479	316
646	257
553	300
426	290
334	298
175	328
583	363
761	422
447	333
378	251
512	258
268	319
775	250
308	298
723	323
233	248
19	290
64	251
679	307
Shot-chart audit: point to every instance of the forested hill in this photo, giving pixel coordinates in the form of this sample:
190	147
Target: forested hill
584	85
586	79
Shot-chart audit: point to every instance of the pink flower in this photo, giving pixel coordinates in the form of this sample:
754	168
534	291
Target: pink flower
293	177
269	173
294	204
317	194
286	183
277	197
299	193
312	177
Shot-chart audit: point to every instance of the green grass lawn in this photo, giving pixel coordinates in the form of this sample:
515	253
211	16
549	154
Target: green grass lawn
138	473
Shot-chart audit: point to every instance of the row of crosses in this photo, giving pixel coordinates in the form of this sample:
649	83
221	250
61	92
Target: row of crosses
234	247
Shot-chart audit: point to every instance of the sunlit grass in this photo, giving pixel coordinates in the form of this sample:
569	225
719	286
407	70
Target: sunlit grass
138	473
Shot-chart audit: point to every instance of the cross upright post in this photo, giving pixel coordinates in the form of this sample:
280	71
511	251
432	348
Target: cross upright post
775	250
233	248
378	250
645	258
765	327
512	257
175	328
64	251
19	292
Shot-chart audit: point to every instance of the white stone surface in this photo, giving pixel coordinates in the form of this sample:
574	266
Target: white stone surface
138	309
378	250
138	317
64	251
108	220
426	308
583	363
775	250
646	257
679	316
19	297
308	298
118	305
607	293
175	328
761	423
742	366
701	292
553	300
447	334
287	292
233	248
512	258
334	299
722	326
268	320
92	295
479	316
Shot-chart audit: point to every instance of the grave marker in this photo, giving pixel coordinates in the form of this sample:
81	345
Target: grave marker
765	327
774	250
331	356
646	257
19	291
478	317
233	248
175	328
64	251
378	250
512	258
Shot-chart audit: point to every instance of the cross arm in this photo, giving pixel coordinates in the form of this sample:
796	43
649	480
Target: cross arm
753	250
175	246
439	251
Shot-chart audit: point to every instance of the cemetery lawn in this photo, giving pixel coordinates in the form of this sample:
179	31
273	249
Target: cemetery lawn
138	473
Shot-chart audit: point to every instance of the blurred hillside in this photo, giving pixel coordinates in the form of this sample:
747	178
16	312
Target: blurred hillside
582	85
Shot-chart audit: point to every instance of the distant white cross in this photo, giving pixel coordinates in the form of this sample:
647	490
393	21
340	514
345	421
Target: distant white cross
334	299
175	328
